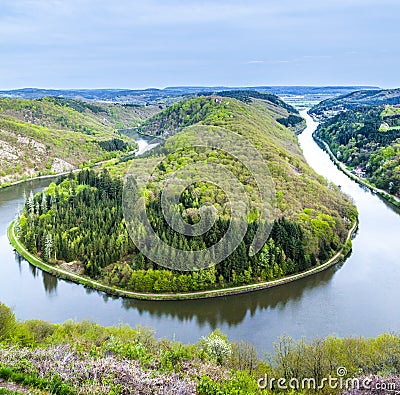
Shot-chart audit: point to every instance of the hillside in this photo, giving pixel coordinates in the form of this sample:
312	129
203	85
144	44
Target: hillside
311	221
186	113
285	114
257	121
332	106
367	140
51	135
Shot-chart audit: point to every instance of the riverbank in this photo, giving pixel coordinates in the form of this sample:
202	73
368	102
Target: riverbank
129	155
88	282
341	166
8	185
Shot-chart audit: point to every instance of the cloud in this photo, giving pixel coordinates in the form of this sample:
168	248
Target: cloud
67	43
268	61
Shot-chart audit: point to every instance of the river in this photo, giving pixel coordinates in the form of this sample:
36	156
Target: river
359	297
144	146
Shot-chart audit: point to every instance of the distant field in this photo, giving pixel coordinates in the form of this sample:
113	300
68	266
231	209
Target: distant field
304	102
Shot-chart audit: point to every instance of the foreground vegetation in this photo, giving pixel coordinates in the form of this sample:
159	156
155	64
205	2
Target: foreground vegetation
86	358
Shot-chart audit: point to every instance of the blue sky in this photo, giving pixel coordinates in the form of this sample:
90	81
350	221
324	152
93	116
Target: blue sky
154	43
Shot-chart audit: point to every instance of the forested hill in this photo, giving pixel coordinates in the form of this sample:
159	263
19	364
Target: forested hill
286	114
192	111
80	219
330	107
367	140
247	96
51	134
297	184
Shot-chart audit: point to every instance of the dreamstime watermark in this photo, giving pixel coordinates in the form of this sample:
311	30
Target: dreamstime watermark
338	382
202	154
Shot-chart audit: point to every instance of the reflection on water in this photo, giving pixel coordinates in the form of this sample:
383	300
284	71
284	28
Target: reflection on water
225	310
211	312
50	283
34	270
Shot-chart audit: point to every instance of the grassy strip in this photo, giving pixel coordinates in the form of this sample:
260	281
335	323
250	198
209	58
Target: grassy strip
87	282
341	166
54	385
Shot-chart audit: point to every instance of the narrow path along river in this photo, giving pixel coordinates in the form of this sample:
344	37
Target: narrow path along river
359	297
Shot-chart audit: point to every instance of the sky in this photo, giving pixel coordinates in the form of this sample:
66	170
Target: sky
157	43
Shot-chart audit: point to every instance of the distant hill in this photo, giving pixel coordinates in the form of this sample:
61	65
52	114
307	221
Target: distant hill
174	118
172	94
332	106
248	95
50	135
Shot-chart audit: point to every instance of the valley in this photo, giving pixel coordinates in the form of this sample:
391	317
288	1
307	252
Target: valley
50	135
